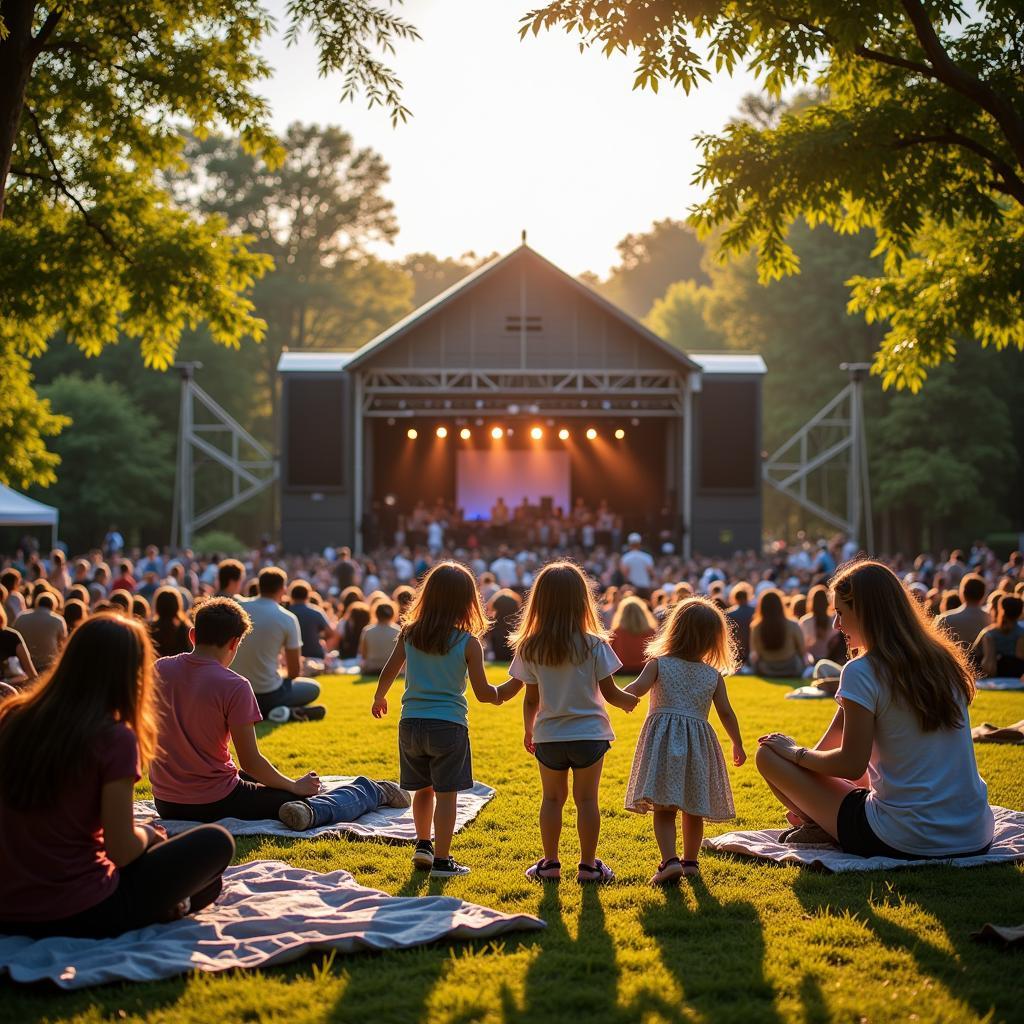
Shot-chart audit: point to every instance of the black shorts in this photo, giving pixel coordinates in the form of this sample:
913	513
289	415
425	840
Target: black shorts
857	837
434	753
576	754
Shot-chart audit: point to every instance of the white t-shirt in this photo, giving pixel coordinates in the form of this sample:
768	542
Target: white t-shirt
926	794
403	568
637	566
504	570
273	628
571	705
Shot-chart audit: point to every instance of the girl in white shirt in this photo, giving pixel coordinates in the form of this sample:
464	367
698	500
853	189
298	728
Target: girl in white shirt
563	657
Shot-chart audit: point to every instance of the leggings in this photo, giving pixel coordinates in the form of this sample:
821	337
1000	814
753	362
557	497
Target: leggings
149	889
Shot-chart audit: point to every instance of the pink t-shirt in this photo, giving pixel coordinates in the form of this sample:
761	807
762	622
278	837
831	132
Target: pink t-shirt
200	701
53	860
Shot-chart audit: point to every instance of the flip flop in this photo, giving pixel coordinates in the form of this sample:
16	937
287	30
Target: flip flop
597	873
545	871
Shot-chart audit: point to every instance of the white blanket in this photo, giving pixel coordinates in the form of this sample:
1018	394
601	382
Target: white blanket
1000	683
391	823
269	913
1007	847
809	693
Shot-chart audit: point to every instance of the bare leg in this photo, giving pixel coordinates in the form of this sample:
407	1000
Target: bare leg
693	833
665	831
444	823
815	797
555	789
423	811
585	784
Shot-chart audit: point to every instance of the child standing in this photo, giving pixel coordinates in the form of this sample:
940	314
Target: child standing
439	645
563	657
678	764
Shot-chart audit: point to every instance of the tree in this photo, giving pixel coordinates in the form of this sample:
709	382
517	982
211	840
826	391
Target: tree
920	138
91	246
649	262
680	317
133	480
432	274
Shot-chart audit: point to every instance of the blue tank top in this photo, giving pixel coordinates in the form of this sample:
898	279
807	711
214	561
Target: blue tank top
435	684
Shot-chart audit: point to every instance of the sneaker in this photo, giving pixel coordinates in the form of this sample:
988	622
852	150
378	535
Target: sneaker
597	873
297	815
310	713
806	835
447	867
279	714
423	855
394	795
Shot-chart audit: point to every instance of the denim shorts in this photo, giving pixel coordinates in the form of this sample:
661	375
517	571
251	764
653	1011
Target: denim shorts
434	753
566	754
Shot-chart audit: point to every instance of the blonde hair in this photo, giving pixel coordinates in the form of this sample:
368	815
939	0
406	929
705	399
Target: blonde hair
696	630
925	669
560	611
633	616
445	602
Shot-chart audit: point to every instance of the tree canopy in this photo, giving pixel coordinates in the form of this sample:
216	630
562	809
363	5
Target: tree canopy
919	137
93	96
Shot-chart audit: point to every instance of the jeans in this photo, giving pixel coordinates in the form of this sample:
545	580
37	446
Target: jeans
292	693
251	801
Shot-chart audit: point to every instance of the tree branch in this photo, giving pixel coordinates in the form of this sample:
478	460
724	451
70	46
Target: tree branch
65	189
46	30
893	61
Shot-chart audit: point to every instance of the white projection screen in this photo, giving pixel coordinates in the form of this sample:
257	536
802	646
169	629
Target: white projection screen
483	476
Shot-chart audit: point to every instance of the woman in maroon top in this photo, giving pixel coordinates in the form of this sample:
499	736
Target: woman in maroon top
72	860
633	628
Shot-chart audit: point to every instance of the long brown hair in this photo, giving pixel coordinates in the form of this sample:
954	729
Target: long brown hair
818	601
560	612
771	619
49	732
926	671
446	601
696	630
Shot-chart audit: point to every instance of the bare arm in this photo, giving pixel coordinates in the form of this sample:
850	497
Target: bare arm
988	655
362	646
849	760
833	734
484	691
293	661
387	677
253	763
641	686
123	839
730	723
25	660
616	697
531	703
508	689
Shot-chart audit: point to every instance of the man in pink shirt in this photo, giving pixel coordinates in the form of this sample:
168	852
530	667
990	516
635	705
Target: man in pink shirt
203	705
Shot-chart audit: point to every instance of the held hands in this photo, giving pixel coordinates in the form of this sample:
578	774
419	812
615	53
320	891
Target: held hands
308	785
628	701
380	707
785	746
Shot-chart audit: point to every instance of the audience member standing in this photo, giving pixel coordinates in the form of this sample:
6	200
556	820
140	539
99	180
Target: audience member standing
638	566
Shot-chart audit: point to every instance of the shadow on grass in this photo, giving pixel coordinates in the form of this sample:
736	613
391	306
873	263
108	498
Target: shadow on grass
959	900
35	1004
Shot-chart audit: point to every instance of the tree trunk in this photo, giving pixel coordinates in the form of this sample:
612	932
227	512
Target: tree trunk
17	54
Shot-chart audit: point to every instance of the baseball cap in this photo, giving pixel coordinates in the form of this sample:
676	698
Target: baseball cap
634	538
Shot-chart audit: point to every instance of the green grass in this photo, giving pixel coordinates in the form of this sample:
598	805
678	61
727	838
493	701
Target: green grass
746	943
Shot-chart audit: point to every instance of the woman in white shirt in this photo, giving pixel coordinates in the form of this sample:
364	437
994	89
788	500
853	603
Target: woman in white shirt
902	719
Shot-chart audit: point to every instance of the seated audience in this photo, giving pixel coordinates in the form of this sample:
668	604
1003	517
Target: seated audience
16	666
170	626
274	629
124	579
75	612
895	774
378	641
122	600
14	602
740	615
776	640
73	862
43	630
1002	645
140	608
503	607
313	624
203	704
357	618
966	622
633	628
230	577
817	625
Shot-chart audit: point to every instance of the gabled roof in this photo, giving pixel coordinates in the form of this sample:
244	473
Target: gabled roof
428	309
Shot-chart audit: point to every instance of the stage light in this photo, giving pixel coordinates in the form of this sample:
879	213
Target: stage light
465	433
619	434
591	434
536	433
442	432
497	433
563	434
412	433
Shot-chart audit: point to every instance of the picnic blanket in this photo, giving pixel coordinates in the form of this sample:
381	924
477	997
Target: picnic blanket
1007	847
809	693
989	733
1000	683
393	823
269	913
1001	934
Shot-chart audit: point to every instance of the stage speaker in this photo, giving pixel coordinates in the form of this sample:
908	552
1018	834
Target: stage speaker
314	441
729	436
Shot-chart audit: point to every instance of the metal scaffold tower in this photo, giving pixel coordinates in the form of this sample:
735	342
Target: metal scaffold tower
804	468
208	434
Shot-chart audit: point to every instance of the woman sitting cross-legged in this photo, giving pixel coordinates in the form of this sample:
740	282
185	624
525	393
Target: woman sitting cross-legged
903	719
72	859
203	704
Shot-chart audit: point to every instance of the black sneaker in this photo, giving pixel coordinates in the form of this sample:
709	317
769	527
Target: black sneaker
447	867
423	855
309	713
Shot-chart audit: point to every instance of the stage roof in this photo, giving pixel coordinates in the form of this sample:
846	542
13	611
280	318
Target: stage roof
730	362
313	361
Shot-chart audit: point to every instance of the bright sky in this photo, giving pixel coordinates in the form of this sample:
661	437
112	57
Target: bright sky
509	134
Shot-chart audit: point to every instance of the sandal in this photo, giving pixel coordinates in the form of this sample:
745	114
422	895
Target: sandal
544	871
690	868
670	870
598	873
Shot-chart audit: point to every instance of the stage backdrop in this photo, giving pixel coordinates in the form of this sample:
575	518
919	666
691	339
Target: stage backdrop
483	476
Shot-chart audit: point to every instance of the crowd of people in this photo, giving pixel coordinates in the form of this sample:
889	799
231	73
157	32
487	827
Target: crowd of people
88	706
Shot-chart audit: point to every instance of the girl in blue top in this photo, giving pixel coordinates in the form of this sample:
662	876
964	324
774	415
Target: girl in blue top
439	644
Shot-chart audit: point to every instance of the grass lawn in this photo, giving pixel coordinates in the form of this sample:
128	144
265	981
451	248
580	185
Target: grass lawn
745	943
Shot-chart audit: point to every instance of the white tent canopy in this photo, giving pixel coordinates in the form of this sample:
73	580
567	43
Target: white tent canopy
18	510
